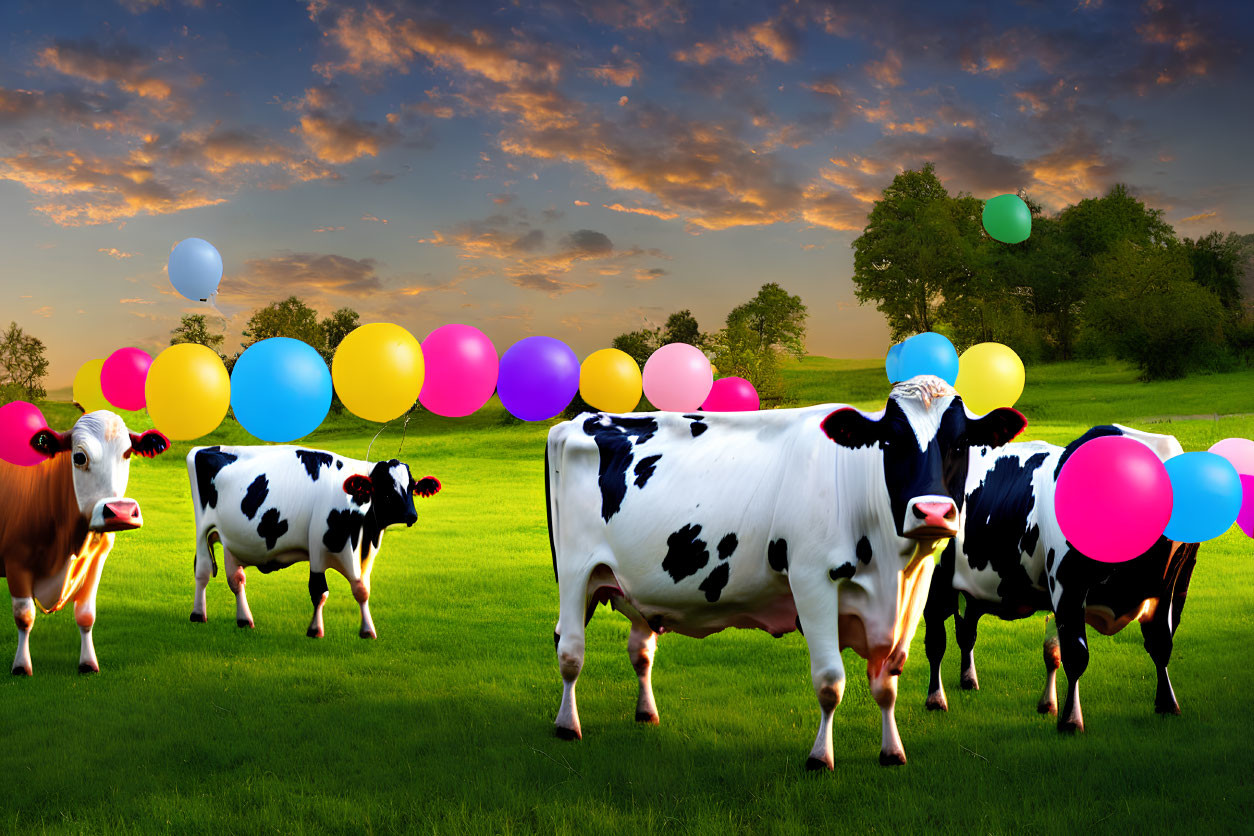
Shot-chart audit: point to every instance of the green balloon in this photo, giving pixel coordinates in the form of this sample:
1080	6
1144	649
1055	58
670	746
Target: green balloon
1007	219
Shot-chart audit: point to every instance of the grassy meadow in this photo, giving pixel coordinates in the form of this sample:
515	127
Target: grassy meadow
444	724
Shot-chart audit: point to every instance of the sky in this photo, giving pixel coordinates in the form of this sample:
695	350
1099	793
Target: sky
576	169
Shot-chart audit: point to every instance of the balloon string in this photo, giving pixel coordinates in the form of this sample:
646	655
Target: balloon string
376	435
211	302
404	431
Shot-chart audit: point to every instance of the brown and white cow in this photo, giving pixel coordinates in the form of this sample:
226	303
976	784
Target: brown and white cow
57	520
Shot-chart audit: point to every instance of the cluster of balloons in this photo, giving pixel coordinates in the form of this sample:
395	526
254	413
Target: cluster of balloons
987	375
1007	218
1115	497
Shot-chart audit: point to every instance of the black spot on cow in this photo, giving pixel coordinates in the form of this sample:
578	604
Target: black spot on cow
777	555
209	462
686	553
1027	543
863	550
713	585
799	630
845	570
997	527
726	546
314	461
645	468
655	623
697	428
271	528
614	443
339	465
695	416
342	527
271	565
317	586
256	494
1096	432
1049	559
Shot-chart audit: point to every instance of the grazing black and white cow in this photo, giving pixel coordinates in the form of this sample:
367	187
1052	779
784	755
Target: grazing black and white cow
1011	560
271	507
694	523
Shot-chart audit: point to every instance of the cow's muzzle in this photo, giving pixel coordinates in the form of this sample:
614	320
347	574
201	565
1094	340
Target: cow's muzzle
930	518
117	514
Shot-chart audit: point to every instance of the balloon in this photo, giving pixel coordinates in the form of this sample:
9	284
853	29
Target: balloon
539	378
188	391
1245	519
19	421
609	380
928	353
677	377
378	371
1238	451
892	363
280	389
195	269
1007	219
87	386
122	378
462	368
731	394
989	375
1207	496
1113	498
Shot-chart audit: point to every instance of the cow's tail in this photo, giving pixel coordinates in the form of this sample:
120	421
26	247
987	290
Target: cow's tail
549	510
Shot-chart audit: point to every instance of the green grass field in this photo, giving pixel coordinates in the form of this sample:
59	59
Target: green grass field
444	724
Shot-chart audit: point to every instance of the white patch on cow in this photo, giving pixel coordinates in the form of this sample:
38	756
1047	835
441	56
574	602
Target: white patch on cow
98	446
924	399
400	478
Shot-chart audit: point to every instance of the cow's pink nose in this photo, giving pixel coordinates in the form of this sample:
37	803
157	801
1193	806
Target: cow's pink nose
936	513
124	510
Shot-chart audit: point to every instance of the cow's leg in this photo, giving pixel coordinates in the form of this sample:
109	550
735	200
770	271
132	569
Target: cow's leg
568	638
641	645
1048	703
85	617
965	631
318	595
361	592
884	691
202	567
817	614
942	602
24	617
1158	643
236	579
1073	645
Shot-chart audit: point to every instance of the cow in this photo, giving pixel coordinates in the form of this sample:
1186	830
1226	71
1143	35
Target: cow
58	522
1010	559
273	506
694	523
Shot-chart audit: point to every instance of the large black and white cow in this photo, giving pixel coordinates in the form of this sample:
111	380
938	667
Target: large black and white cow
694	523
1010	559
271	507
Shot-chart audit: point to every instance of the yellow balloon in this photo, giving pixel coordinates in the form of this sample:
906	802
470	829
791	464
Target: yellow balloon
610	381
989	375
87	387
378	371
188	391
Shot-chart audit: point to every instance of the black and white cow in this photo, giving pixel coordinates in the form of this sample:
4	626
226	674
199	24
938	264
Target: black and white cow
271	507
694	523
1011	560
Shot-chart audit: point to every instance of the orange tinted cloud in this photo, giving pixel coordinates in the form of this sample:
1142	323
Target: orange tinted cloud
126	66
771	38
622	74
115	252
641	210
887	71
1201	216
342	139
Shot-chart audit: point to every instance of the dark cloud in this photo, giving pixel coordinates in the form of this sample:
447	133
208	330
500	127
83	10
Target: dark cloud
588	242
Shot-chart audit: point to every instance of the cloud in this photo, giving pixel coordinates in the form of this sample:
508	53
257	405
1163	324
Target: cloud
130	68
136	301
317	275
887	71
373	218
581	203
621	74
45	311
342	139
1199	217
641	210
329	229
634	14
774	38
115	252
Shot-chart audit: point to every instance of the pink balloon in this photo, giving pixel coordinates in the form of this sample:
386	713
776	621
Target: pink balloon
1113	498
1238	451
731	394
677	377
19	421
1245	519
122	378
461	369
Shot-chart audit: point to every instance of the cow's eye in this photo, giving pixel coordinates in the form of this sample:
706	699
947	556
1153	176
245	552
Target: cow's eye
80	459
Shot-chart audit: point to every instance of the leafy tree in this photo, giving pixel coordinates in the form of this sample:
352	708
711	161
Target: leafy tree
289	318
339	325
1218	265
682	327
639	344
194	328
23	366
757	335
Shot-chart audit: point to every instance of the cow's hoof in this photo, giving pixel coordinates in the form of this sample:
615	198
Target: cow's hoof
892	758
646	717
368	634
814	764
566	734
969	683
1168	708
243	623
937	703
21	671
313	633
1068	727
85	668
199	617
1050	708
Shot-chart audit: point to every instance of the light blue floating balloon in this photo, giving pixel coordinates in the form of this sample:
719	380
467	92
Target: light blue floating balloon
928	353
280	389
892	363
195	269
1207	495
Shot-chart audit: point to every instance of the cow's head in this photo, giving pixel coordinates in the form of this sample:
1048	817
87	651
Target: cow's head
100	449
925	435
391	490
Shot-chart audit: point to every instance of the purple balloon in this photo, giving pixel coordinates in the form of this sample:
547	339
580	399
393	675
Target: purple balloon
539	377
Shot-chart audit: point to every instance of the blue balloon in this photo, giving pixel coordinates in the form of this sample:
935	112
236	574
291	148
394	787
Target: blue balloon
1206	493
892	363
538	378
928	353
280	389
195	269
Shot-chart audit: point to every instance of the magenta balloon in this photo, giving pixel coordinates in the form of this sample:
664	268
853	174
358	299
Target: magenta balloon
677	377
1245	519
1238	451
731	394
461	370
1113	498
123	376
19	421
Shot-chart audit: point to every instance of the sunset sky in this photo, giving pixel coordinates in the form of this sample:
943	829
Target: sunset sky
576	169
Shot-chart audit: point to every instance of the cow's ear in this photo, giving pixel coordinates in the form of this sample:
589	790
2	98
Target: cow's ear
360	488
149	444
427	486
850	428
996	428
48	442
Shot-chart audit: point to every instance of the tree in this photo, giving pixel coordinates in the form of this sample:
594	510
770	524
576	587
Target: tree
289	318
639	344
23	366
1218	265
194	328
682	327
339	325
757	335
